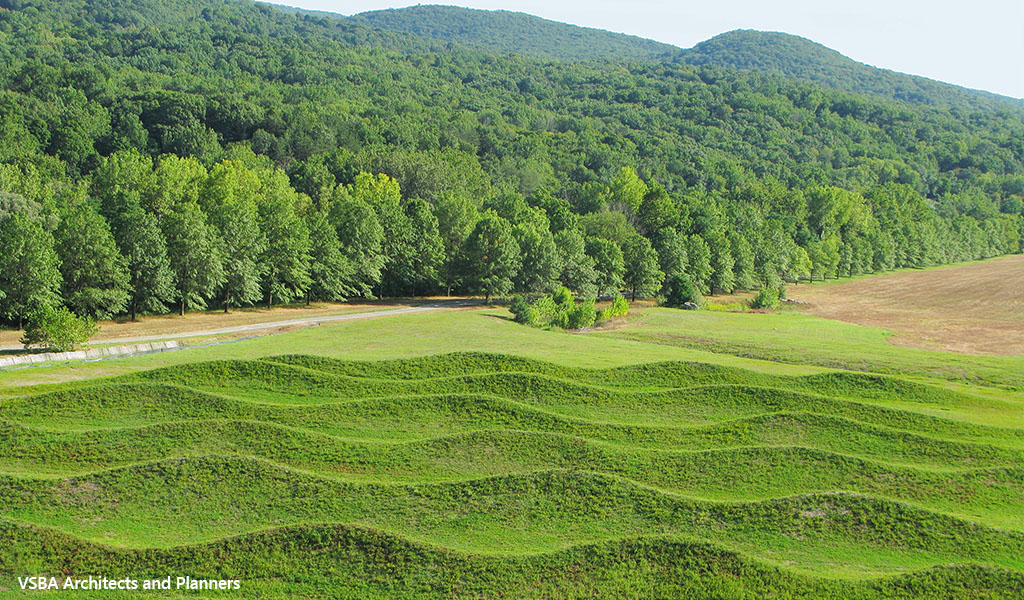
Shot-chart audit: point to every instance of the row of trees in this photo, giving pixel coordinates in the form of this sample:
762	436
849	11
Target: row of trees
141	235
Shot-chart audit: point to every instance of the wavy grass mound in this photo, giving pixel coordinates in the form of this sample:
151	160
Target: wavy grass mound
474	475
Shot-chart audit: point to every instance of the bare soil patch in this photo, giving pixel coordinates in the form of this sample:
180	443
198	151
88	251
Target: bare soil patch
976	308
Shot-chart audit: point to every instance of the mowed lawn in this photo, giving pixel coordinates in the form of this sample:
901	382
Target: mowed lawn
403	336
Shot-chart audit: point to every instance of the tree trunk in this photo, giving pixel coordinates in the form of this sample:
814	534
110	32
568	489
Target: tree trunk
633	295
270	300
134	310
227	303
181	311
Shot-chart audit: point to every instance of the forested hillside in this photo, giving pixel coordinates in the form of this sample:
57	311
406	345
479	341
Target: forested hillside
516	33
767	52
179	154
806	60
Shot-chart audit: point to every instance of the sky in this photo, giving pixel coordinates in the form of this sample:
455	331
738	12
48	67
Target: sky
977	44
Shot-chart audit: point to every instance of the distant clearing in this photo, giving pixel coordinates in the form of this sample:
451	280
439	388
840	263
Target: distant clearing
976	308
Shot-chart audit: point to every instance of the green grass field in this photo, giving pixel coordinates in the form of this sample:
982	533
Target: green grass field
458	454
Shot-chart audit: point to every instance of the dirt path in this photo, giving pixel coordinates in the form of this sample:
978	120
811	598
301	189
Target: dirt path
976	308
371	314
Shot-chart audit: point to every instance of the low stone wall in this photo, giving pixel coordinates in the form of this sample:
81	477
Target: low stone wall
24	359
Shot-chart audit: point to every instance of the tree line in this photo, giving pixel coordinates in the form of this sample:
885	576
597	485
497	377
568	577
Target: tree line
143	235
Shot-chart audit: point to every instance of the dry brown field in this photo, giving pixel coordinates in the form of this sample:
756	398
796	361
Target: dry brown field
975	308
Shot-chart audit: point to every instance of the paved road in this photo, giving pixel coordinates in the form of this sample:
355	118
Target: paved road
440	305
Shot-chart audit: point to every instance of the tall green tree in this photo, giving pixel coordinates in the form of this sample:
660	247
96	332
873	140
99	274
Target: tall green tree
541	264
824	255
285	259
195	253
120	180
577	268
722	263
242	244
426	254
150	280
491	258
361	237
93	270
670	245
657	211
330	271
228	196
641	260
456	217
29	274
743	261
699	263
625	192
609	265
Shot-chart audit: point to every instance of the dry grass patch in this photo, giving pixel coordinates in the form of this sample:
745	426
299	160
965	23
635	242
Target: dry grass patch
975	308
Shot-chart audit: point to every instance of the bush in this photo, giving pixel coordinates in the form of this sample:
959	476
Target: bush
563	298
561	318
521	311
618	308
544	310
582	315
767	297
681	290
557	310
57	329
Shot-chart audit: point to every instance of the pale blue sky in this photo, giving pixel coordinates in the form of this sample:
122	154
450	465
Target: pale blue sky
975	43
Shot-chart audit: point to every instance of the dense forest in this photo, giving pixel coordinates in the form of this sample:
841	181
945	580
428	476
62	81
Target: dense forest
508	32
184	154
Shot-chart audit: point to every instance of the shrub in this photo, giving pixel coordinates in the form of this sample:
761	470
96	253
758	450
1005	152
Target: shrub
582	315
558	309
767	297
618	308
544	310
561	318
57	329
521	311
681	290
563	298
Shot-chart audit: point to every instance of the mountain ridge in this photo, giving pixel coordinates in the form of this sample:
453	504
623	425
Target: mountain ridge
788	54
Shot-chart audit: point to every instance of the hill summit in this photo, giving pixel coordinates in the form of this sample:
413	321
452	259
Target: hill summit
515	33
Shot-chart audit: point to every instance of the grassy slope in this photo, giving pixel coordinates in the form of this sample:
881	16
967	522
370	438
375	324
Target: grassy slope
404	336
520	462
503	468
307	560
